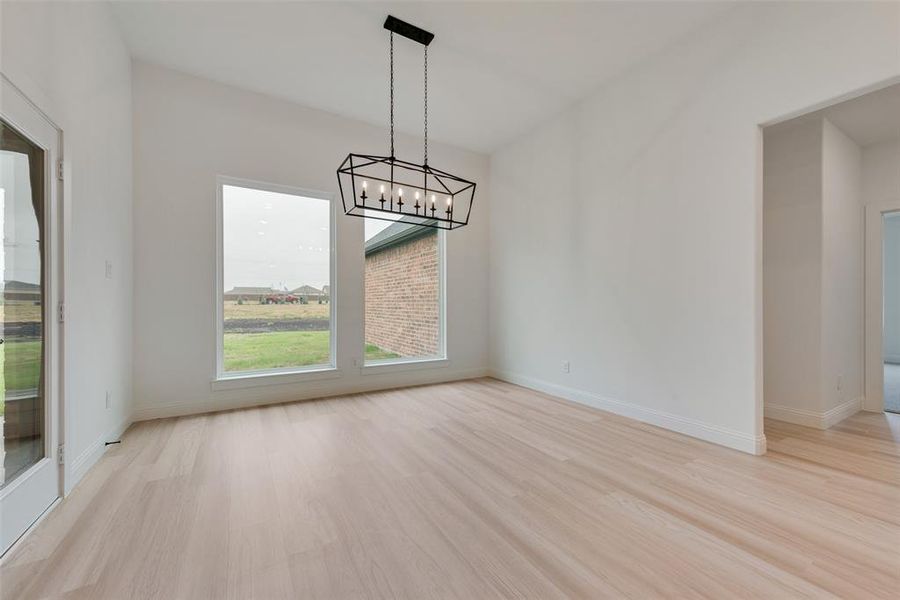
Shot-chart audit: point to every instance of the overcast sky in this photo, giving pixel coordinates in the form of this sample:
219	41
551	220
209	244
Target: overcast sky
20	257
277	240
273	239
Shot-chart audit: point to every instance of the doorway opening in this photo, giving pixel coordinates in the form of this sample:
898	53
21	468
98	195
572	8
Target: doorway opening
830	185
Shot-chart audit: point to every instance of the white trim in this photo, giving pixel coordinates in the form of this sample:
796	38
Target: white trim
394	365
692	427
797	416
442	293
874	303
855	93
220	375
812	418
840	412
265	378
87	459
310	391
758	289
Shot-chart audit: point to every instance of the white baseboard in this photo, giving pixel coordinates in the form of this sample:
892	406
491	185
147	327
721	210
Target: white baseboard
811	418
692	427
797	416
87	459
314	389
842	411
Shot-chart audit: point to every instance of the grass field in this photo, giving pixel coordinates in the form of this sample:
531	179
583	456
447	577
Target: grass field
24	362
21	361
23	312
29	312
279	349
24	358
233	310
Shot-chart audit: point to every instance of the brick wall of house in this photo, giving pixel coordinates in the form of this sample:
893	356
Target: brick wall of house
402	287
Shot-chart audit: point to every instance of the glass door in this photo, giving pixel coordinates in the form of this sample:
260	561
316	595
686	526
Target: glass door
29	473
21	303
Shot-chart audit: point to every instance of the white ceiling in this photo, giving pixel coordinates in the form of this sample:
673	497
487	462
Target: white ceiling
869	119
496	69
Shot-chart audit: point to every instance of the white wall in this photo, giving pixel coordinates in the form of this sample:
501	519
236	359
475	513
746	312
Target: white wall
188	130
812	273
881	172
641	206
842	271
69	59
792	266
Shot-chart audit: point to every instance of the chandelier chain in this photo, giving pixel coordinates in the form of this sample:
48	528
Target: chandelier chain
392	94
426	105
390	175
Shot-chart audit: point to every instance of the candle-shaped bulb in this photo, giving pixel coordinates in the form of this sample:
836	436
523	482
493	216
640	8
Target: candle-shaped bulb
382	189
400	191
417	195
365	184
432	199
449	200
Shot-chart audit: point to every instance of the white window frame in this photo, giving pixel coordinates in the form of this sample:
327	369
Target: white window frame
372	367
224	380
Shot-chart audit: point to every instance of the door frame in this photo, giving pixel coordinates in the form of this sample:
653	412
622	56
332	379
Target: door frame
55	228
874	303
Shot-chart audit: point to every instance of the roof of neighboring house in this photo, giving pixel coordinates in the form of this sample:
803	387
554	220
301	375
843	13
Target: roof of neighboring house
396	233
252	291
306	289
20	286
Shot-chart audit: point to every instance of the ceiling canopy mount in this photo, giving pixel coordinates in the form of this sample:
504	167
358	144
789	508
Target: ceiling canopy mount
416	34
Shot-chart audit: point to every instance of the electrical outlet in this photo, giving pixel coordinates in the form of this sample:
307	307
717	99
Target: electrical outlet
108	270
840	382
565	366
108	399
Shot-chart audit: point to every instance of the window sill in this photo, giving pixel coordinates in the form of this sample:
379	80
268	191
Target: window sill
250	380
377	368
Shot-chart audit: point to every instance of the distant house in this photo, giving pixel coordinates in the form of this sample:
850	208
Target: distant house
402	284
310	293
255	294
21	291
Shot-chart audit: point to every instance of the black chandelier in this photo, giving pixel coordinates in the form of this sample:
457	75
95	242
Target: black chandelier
390	189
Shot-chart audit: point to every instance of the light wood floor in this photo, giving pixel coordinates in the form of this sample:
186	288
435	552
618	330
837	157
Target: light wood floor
469	490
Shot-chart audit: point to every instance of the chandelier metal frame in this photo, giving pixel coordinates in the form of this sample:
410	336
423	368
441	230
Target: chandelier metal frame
435	198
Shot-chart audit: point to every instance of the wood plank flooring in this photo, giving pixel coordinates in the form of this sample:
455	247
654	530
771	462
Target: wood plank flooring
475	489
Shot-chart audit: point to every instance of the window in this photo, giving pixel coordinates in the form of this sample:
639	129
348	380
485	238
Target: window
404	292
275	279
